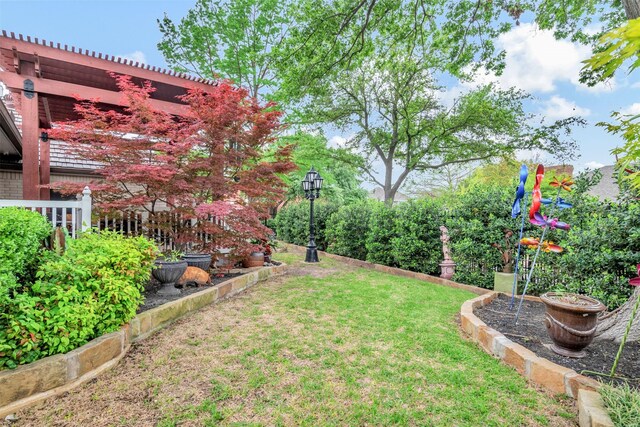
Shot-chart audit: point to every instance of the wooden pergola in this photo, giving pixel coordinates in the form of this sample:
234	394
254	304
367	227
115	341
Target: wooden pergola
44	80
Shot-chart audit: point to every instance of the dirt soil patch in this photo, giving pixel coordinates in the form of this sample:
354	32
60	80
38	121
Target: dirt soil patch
531	333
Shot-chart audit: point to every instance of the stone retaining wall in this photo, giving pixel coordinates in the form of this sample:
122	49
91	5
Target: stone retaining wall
538	370
28	384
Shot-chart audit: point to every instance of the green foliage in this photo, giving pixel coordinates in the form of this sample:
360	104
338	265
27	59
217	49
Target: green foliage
347	230
478	222
233	40
416	245
623	404
292	222
90	290
341	181
381	233
22	233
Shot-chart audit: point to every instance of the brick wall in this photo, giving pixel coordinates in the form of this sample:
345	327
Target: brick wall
10	185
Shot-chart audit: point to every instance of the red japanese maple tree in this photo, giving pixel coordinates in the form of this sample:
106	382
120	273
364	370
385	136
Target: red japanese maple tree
204	174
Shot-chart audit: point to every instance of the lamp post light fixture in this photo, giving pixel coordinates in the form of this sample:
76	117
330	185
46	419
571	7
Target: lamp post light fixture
311	184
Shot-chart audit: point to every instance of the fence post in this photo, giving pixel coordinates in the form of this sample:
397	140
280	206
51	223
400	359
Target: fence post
86	209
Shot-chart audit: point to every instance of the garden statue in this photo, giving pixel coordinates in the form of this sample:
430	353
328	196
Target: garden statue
447	267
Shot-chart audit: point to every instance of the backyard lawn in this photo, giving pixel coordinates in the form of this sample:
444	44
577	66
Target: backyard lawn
327	344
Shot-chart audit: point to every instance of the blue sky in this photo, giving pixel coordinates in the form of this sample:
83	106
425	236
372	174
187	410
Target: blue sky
536	62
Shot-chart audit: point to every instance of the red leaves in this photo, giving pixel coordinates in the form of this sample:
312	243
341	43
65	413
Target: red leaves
207	164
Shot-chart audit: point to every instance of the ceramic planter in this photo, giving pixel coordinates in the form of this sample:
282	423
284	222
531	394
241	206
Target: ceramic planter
202	261
168	273
255	259
571	322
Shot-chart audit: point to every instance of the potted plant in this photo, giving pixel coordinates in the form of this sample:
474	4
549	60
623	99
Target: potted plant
168	269
571	321
503	280
255	258
197	259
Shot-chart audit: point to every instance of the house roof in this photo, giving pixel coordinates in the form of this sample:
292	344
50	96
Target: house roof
607	188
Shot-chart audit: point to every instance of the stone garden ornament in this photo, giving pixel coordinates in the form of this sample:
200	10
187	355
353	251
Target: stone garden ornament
447	267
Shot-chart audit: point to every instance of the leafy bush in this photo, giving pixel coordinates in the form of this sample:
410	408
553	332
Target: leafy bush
416	245
292	222
92	289
479	220
380	235
21	240
347	230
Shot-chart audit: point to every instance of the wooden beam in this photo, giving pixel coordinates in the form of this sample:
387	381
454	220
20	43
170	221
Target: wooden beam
36	61
16	60
53	87
126	67
45	169
30	139
47	112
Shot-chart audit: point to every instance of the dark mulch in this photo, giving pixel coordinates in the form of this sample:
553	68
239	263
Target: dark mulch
531	333
152	299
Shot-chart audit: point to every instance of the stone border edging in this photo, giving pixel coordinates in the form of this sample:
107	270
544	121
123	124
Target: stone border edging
393	270
54	375
538	370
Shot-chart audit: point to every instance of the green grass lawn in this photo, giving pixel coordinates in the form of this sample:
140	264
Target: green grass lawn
338	346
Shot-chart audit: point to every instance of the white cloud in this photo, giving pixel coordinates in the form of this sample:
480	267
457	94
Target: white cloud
338	141
632	109
593	165
536	62
557	108
136	56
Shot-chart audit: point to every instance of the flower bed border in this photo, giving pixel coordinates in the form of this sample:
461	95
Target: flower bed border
538	370
54	375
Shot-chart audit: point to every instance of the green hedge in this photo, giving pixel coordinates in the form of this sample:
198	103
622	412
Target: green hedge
416	245
346	230
381	234
292	222
601	248
91	289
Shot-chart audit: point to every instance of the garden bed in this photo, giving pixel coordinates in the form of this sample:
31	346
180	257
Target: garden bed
532	334
152	299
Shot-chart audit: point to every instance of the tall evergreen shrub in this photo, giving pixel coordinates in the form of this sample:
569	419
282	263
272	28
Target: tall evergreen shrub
347	230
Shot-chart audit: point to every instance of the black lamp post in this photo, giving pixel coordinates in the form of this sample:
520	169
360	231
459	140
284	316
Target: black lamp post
312	183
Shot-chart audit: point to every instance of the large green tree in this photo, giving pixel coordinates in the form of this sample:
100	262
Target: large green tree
394	106
227	39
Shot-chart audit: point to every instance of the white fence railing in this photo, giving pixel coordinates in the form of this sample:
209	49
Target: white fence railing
72	215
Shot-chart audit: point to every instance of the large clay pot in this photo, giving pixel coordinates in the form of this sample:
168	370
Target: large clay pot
571	322
255	259
202	261
168	273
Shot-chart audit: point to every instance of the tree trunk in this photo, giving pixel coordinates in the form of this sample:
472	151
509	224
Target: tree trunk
612	325
632	8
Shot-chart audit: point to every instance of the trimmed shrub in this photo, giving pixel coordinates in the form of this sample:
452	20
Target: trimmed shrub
292	222
380	235
416	245
92	289
479	220
22	233
347	230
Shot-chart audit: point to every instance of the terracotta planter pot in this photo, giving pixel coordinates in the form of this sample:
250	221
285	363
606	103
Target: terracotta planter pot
168	273
571	322
202	261
255	259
